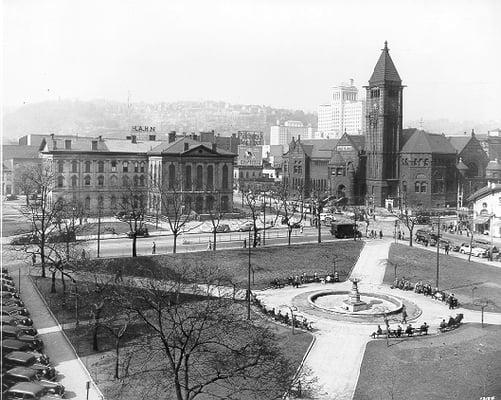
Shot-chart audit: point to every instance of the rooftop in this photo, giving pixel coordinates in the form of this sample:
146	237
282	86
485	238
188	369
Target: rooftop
424	142
385	70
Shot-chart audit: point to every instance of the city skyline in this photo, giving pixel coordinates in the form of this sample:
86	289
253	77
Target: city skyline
282	54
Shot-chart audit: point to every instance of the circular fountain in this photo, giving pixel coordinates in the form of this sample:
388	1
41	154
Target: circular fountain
354	303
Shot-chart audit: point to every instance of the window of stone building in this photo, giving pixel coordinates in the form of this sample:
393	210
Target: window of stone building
60	181
404	186
125	166
210	177
87	166
74	166
113	202
209	203
100	181
100	167
94	145
424	187
199	204
74	181
100	202
60	166
224	204
417	187
87	180
67	144
87	203
136	180
187	177
113	180
125	181
142	166
113	166
141	180
136	167
172	176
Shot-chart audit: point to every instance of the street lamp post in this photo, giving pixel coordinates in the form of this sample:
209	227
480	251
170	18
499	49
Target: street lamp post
98	230
438	252
249	281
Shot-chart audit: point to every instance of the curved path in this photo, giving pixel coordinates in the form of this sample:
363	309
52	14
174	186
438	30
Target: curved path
337	354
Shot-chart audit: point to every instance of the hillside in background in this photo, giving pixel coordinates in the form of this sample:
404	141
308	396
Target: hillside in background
454	127
111	118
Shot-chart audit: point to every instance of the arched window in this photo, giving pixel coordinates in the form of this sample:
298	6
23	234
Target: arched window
113	180
60	181
141	180
136	167
100	167
125	181
172	176
74	166
100	202
60	166
136	180
404	186
210	177
141	168
87	166
74	181
187	177
100	181
87	180
200	177
87	203
224	204
199	204
424	187
125	166
188	204
417	187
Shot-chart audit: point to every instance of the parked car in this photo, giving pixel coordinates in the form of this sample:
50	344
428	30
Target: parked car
8	288
13	331
16	320
9	345
25	239
29	390
327	218
12	302
222	228
341	231
10	295
143	232
11	197
456	248
246	226
24	359
61	237
475	251
14	311
443	243
24	374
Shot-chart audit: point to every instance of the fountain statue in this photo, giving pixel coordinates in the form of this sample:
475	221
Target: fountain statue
353	302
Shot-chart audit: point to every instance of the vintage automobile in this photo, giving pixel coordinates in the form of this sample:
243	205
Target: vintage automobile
14	331
16	320
24	359
29	390
24	374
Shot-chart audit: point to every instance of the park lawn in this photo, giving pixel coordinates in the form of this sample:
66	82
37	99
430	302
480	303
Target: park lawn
456	275
462	364
11	228
101	363
267	263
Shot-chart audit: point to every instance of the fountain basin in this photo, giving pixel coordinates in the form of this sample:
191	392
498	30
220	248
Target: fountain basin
376	305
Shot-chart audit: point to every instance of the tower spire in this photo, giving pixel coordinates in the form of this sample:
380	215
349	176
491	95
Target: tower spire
385	46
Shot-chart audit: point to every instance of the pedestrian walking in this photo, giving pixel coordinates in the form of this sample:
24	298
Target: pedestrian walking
83	254
404	315
209	246
301	229
118	275
154	248
245	243
34	258
380	234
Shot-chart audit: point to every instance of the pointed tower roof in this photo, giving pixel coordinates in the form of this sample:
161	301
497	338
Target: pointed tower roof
385	70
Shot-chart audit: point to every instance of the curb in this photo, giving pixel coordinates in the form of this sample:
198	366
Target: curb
99	393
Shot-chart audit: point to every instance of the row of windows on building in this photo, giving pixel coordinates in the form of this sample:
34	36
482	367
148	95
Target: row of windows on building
113	181
188	182
199	203
126	166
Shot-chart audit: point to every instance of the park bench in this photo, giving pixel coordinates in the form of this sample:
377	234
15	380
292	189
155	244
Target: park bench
452	324
393	333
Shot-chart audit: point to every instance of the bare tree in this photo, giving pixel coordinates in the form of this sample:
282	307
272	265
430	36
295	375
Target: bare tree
42	212
203	346
216	214
251	200
291	206
410	218
133	206
23	179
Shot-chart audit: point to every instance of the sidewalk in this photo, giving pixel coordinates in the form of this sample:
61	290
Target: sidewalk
71	371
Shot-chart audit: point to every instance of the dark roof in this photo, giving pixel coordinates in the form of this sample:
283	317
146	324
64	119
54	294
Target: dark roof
177	147
319	148
424	142
10	151
104	145
406	135
459	142
337	159
461	166
358	141
385	70
493	188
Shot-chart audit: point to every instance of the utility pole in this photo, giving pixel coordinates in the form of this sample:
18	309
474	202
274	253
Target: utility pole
98	231
438	251
264	216
249	281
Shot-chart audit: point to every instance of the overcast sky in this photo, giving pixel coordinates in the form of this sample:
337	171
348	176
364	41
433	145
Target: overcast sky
278	53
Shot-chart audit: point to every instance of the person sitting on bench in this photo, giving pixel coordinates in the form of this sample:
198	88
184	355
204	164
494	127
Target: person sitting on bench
409	330
451	322
443	324
399	331
424	328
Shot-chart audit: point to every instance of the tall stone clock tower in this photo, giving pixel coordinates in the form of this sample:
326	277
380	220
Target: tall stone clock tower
383	130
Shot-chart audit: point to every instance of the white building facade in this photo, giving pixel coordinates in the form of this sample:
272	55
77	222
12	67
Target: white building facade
282	134
486	204
344	113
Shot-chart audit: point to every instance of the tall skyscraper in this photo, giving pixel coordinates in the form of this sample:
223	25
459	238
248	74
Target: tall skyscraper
383	129
344	113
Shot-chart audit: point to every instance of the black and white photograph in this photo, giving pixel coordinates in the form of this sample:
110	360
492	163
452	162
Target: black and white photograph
251	199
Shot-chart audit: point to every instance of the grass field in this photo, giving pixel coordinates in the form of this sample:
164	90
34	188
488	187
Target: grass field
463	364
456	275
267	262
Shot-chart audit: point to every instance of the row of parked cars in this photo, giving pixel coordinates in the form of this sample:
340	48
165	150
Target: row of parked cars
27	372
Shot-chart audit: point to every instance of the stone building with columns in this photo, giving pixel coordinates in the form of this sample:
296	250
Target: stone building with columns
199	173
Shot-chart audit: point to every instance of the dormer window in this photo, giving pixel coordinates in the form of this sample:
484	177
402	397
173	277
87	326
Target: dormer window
67	144
94	145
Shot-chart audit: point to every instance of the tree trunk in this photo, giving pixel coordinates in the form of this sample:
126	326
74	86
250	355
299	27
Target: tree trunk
289	234
410	236
63	282
215	238
53	285
42	260
97	318
134	245
117	361
174	245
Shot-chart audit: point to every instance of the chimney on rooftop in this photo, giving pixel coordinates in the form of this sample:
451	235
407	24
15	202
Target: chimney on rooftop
351	82
214	147
133	139
186	146
172	136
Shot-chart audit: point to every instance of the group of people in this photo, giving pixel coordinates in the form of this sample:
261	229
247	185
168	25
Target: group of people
425	288
257	242
373	234
398	332
297	280
299	322
452	323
